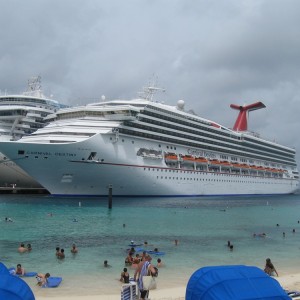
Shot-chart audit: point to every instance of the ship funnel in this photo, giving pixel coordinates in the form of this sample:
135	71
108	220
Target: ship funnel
241	123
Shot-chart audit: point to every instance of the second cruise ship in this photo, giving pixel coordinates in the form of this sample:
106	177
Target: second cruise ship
21	115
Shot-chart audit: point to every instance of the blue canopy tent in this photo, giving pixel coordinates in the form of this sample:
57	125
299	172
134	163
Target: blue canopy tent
12	287
233	283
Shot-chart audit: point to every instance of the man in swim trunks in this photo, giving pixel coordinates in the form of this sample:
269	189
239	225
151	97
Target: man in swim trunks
22	248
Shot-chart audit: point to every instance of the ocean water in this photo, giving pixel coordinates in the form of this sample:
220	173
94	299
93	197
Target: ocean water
201	225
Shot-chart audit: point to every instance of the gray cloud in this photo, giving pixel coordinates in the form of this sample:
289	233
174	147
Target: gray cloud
210	53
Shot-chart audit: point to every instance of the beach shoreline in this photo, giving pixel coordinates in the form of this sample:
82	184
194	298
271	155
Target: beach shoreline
202	228
288	281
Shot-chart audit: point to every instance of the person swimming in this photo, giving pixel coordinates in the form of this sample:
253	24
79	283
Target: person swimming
259	234
74	249
106	265
20	270
22	248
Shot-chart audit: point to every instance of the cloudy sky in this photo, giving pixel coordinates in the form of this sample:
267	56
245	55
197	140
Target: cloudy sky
211	53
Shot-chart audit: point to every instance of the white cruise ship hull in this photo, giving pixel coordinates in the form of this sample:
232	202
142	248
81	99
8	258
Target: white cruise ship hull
12	176
68	169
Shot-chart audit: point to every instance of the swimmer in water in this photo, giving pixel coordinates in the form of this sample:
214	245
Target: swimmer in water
74	249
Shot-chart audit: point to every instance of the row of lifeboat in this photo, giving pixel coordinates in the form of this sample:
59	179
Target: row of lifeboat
172	157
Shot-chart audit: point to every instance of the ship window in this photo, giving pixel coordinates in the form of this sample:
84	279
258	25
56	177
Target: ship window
21	152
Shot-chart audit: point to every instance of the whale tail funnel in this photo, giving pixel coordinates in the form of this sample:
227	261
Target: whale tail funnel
241	123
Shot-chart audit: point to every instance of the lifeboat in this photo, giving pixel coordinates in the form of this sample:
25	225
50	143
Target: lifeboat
171	156
236	165
225	163
201	160
214	162
188	158
245	166
260	168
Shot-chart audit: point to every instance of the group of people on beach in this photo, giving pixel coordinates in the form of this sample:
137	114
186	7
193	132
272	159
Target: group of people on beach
142	264
144	268
41	278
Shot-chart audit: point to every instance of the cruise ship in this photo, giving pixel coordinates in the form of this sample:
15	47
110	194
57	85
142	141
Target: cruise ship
145	148
21	115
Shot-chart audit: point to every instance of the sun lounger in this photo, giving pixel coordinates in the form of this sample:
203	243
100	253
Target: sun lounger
295	295
129	291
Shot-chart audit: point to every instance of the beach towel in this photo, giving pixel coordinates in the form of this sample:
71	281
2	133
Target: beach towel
144	272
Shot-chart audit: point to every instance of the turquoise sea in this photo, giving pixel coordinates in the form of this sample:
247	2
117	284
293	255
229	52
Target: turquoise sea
201	225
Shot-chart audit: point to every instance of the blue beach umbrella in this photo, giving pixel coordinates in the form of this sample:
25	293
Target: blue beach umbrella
233	282
3	269
12	287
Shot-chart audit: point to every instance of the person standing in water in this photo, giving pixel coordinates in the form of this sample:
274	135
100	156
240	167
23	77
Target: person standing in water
269	268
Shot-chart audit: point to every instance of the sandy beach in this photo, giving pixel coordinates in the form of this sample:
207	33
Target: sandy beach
289	282
159	294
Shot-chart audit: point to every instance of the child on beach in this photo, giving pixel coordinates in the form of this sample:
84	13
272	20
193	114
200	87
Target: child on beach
42	278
